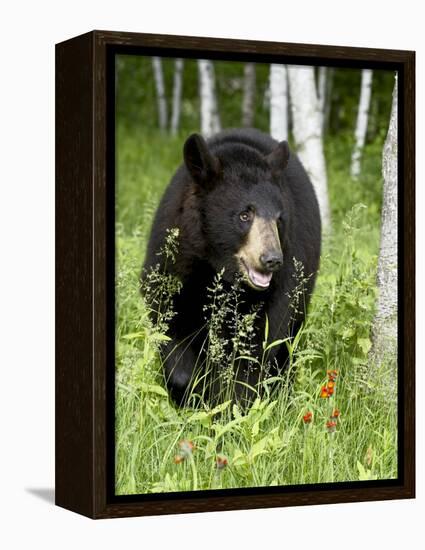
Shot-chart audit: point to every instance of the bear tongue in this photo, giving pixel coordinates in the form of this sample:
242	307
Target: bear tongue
260	279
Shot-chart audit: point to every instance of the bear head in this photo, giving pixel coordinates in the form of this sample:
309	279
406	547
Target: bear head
242	207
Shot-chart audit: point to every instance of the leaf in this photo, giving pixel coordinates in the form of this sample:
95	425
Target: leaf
266	332
205	417
259	448
346	333
255	429
220	408
153	388
158	337
364	344
236	412
364	474
267	411
273	380
297	338
221	430
133	335
239	458
276	343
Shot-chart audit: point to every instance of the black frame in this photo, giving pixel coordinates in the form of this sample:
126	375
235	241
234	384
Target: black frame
85	396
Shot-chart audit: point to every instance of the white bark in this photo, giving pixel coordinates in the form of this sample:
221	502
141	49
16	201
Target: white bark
279	102
177	95
321	93
210	121
160	92
306	127
384	332
361	124
248	95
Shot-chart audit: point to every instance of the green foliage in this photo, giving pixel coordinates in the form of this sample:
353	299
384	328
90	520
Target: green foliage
268	444
344	102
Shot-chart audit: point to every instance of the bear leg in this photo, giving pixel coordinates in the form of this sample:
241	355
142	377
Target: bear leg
179	366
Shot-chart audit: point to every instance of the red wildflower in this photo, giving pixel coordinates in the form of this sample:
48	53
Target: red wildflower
324	392
186	447
331	426
308	417
221	462
332	374
335	414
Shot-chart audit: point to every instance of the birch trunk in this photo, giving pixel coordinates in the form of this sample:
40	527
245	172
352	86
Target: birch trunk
279	102
210	120
248	95
384	333
160	92
321	94
177	96
361	124
306	127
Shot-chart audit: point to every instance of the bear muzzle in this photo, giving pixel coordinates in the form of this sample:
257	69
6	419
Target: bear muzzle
261	254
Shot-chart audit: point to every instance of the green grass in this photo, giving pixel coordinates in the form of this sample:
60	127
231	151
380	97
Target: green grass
269	444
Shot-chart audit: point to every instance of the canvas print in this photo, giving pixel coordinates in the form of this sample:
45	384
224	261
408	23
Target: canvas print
255	275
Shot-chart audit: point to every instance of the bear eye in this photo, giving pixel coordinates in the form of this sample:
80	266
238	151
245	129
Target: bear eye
245	216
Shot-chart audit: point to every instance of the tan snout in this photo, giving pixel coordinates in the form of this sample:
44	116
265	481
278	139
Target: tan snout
261	254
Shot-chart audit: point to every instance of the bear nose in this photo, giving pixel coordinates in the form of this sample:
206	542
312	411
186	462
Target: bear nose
271	260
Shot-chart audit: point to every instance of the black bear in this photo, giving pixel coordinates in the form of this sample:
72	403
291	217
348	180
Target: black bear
245	209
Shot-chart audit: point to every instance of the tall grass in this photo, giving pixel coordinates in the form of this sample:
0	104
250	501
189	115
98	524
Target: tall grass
292	435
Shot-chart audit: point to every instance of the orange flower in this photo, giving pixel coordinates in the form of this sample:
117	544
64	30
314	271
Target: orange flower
331	426
186	447
332	374
221	462
308	417
324	392
178	459
328	389
335	414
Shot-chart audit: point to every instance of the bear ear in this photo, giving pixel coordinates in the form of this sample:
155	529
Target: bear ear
201	163
278	158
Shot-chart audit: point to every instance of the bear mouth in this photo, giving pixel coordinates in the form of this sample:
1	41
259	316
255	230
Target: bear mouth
255	278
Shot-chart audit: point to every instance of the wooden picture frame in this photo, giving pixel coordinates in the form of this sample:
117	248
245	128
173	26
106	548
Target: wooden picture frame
85	268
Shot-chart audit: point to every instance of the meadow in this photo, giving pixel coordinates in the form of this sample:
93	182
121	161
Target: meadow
300	433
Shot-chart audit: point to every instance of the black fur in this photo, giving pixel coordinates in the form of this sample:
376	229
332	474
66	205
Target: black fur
219	179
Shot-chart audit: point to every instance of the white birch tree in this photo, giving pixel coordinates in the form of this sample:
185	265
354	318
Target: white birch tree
177	95
160	92
321	93
361	124
384	332
248	95
306	128
210	120
278	102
